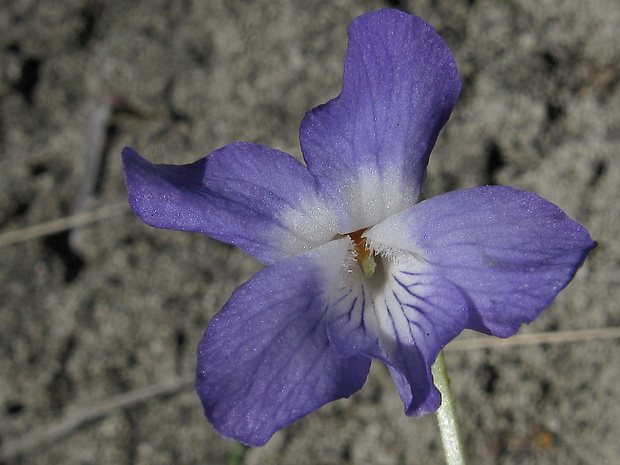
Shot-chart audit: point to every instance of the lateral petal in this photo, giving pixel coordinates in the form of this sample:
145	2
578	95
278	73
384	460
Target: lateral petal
368	148
257	198
510	251
265	360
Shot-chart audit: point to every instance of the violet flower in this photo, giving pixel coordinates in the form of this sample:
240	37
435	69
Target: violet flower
357	267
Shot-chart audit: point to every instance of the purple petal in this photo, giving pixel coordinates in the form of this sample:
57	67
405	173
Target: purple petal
368	148
257	198
510	251
403	315
265	359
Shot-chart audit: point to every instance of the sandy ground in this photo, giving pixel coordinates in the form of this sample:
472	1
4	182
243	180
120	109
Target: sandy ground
124	307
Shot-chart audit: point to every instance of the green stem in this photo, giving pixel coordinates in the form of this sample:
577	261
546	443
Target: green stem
446	416
237	451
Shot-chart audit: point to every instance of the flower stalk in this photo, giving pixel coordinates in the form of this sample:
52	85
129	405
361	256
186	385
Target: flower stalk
446	415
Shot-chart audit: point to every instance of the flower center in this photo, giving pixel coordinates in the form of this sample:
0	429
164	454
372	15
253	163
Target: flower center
362	252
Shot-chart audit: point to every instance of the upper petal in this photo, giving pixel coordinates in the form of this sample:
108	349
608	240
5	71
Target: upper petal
368	148
510	251
265	359
257	198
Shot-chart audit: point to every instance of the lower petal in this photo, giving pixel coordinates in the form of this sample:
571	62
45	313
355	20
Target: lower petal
265	359
403	315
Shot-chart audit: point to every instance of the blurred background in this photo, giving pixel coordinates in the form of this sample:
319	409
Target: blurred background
100	314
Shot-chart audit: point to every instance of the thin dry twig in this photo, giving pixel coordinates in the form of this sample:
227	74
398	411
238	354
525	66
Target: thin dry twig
63	224
50	434
489	342
94	157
